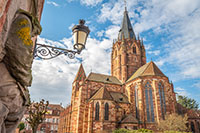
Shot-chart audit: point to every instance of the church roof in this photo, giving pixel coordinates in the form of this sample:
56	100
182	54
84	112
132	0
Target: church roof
129	119
149	69
119	97
103	78
102	94
126	30
80	74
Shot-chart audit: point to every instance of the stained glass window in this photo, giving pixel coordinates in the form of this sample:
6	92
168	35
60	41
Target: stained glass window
97	111
149	102
162	99
106	112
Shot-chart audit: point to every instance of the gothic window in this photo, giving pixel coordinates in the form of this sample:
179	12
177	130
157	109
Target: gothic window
106	117
149	102
136	101
97	111
134	50
162	99
192	127
198	126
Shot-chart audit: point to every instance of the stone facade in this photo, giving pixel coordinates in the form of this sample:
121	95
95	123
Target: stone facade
136	95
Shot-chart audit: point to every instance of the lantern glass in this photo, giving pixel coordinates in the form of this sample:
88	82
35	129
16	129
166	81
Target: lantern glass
81	37
80	33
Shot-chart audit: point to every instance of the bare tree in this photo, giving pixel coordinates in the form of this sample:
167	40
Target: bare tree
173	122
37	112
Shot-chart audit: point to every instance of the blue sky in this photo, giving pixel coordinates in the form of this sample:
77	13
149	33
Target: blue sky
170	29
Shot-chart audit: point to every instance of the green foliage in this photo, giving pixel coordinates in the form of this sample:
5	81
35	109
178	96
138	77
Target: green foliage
122	130
37	112
175	132
173	122
188	102
142	130
21	126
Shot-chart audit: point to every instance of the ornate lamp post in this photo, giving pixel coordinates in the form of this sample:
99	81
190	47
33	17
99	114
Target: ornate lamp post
80	33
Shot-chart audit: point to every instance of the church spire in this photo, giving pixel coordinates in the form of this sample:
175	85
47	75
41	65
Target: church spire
126	27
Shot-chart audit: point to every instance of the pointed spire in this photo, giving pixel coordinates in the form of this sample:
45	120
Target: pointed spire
125	5
138	36
126	27
142	42
80	74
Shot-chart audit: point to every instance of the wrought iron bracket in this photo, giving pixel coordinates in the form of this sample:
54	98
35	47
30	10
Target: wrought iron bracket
47	52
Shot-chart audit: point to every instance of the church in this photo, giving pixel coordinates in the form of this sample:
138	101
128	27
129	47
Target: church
136	94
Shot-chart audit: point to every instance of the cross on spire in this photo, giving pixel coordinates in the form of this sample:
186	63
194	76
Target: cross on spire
125	5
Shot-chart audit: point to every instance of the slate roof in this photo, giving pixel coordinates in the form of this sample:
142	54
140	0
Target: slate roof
103	78
126	29
102	94
119	97
149	69
129	119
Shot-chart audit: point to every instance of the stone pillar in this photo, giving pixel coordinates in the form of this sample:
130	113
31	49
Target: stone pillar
123	67
141	102
156	99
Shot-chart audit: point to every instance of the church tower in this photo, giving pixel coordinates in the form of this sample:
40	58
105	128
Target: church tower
128	52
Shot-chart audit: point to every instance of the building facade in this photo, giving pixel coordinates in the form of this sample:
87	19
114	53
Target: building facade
136	94
50	124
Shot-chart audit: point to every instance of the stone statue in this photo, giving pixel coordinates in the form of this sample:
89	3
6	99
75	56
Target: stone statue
15	70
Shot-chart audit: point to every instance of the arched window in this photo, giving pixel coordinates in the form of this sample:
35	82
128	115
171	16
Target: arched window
97	111
198	126
134	50
136	102
149	102
162	99
192	127
106	116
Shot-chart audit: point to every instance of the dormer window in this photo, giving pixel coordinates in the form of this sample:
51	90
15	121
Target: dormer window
121	99
107	79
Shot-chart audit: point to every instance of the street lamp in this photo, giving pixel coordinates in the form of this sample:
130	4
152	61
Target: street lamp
80	33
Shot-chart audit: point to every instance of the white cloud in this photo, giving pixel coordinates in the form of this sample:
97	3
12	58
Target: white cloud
181	91
53	3
91	2
155	52
114	9
100	33
52	79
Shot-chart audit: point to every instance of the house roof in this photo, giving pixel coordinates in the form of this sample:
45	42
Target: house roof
149	69
102	94
129	119
103	78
